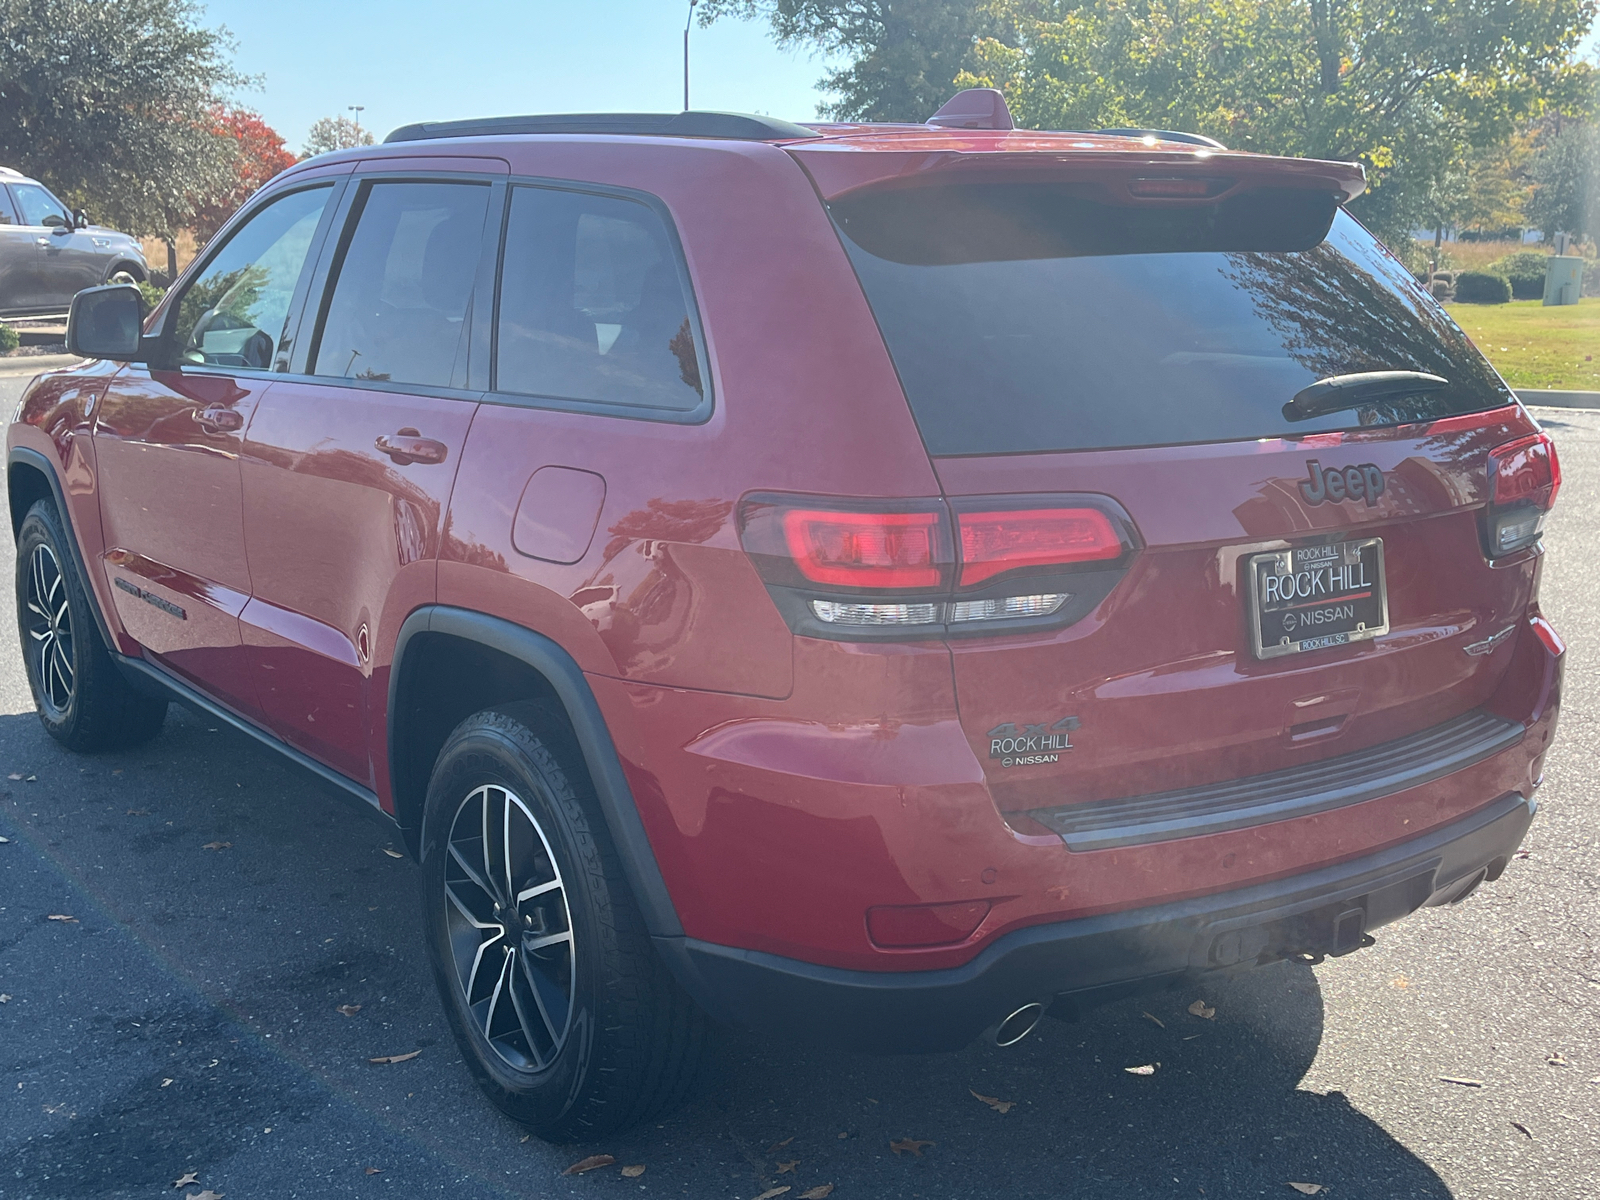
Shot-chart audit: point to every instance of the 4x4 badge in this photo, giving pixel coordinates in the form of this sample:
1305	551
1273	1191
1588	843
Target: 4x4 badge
1352	483
1030	745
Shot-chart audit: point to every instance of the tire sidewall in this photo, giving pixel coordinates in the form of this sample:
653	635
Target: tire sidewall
40	526
494	749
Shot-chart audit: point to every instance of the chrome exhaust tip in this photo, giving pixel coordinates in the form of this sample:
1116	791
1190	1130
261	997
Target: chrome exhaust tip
1018	1025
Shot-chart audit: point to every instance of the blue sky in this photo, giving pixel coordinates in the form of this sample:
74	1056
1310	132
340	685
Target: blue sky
412	61
407	60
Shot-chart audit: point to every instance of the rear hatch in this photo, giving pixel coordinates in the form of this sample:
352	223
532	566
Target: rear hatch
1290	580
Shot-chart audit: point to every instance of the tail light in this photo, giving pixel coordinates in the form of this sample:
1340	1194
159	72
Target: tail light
886	570
1524	477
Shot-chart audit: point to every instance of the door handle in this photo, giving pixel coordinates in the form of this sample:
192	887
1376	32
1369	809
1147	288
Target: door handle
407	446
218	418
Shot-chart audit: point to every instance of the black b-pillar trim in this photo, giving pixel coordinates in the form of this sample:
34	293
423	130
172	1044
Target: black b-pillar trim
594	741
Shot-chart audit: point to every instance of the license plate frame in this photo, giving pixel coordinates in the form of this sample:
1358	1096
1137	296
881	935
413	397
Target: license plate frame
1307	613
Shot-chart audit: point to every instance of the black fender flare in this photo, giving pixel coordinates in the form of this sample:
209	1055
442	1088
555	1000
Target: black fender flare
29	457
611	788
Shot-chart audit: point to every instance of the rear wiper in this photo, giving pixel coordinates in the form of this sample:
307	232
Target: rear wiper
1349	391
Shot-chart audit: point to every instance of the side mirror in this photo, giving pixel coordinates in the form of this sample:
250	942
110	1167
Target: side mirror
52	221
80	219
104	322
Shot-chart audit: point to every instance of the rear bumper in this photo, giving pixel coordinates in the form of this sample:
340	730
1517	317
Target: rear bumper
1081	962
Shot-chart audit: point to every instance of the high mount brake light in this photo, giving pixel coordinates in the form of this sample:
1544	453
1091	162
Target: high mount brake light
993	543
1524	477
1177	187
882	569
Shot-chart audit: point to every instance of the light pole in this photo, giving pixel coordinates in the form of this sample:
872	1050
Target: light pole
686	25
358	109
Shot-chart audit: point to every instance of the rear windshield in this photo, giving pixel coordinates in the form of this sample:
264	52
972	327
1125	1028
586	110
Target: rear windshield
1026	318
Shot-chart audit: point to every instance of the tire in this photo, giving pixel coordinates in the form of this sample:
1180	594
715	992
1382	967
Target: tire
81	697
123	275
597	1036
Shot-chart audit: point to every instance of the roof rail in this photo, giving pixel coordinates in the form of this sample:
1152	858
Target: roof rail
743	127
1165	135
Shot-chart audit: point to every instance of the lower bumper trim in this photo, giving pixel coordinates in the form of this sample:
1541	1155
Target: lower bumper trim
1086	961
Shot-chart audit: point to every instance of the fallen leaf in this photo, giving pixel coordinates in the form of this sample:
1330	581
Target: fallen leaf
1522	1129
138	812
5	841
1462	1082
785	1168
398	1058
593	1163
393	853
1000	1106
217	846
820	1192
842	1136
208	1194
374	1170
32	779
61	917
4	998
186	1179
1192	1037
771	1192
168	1083
14	775
1400	982
776	1146
1523	854
633	1172
348	1010
1556	1060
1148	1069
1199	1009
1156	1019
1308	1189
908	1145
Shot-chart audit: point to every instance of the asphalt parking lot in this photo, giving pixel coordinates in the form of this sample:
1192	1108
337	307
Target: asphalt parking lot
186	1020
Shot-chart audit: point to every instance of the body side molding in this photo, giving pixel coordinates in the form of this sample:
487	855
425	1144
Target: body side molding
148	677
588	724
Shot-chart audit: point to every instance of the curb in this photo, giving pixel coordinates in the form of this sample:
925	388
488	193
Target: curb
1549	399
32	364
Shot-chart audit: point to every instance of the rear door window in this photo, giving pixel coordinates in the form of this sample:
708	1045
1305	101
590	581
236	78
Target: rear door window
402	286
594	305
37	204
1022	318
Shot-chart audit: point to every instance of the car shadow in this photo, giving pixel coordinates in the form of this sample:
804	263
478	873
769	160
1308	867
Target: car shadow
251	947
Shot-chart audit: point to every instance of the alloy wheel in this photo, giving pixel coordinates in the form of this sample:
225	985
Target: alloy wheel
510	928
49	623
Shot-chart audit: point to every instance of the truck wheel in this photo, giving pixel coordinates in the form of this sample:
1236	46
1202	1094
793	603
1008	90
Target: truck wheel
564	1011
81	697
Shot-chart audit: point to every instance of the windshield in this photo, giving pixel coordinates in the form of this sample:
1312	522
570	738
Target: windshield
1026	318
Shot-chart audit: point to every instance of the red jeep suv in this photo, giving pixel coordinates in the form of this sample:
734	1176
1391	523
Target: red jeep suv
879	582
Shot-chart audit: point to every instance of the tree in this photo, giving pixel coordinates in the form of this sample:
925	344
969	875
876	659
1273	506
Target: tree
1565	171
1411	88
906	53
258	155
335	133
111	105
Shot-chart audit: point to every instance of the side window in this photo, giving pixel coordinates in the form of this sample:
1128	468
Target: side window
592	304
400	292
6	216
234	312
37	204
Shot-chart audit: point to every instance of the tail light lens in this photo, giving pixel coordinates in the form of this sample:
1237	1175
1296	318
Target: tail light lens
1524	477
875	570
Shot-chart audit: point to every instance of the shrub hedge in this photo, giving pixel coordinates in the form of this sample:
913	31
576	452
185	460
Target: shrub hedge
1482	287
9	340
1525	270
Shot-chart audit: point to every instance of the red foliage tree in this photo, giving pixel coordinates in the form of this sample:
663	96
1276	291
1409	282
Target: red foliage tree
258	156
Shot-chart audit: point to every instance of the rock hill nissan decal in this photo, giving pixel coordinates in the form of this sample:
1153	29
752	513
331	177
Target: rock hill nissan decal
1031	745
1352	483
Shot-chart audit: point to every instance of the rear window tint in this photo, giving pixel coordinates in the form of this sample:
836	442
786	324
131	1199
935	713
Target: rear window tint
1025	318
593	305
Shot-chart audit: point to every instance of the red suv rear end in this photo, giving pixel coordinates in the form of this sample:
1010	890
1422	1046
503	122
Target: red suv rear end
874	582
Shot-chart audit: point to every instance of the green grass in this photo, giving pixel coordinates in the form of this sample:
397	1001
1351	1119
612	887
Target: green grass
1538	347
